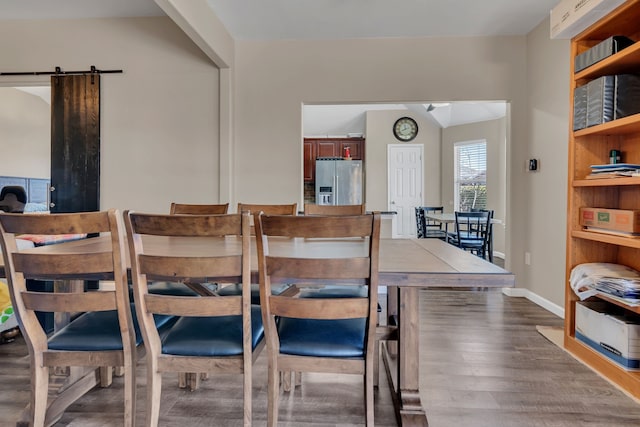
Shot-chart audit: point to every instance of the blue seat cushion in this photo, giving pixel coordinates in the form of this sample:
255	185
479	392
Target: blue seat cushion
99	331
211	336
171	288
236	289
335	291
322	338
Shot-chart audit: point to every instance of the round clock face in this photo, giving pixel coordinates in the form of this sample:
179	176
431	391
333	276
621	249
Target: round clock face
405	129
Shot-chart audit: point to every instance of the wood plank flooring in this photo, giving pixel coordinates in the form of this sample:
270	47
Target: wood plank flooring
482	364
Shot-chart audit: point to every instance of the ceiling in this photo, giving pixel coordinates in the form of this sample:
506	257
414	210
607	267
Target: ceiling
340	19
334	19
320	19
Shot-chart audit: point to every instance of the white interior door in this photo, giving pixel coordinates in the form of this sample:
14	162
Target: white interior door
405	186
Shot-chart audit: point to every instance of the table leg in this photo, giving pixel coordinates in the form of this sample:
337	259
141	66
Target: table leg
411	410
406	387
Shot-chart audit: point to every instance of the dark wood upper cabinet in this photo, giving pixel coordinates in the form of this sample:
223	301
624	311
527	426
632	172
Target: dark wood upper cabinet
329	147
309	161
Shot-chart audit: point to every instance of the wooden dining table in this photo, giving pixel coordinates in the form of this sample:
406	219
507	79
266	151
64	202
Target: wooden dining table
406	266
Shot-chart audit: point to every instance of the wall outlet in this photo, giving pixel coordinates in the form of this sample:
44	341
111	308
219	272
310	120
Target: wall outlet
527	258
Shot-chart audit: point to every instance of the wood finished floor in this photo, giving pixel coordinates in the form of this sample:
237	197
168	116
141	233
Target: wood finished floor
482	364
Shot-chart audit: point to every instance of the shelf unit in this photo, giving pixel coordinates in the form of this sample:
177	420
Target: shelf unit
591	146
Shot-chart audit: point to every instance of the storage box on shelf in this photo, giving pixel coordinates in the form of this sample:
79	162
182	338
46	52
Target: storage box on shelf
616	220
610	331
591	146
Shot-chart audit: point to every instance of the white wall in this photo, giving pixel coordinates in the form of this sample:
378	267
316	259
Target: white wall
274	79
159	124
544	194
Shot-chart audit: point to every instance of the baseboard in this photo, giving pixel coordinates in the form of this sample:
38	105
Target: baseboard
536	299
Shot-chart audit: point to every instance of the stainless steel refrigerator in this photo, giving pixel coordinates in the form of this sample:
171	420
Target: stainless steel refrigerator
338	181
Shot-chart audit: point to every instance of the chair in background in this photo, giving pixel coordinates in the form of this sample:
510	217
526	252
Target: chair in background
331	335
221	334
13	199
472	230
100	337
489	233
190	209
428	228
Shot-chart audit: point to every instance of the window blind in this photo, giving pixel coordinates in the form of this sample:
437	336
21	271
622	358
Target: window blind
470	175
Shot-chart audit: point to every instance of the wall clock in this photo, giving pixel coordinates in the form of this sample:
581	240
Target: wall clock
405	129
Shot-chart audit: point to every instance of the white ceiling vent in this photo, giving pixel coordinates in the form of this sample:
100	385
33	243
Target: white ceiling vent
570	17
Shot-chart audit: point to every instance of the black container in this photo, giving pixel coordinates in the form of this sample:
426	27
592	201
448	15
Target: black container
580	108
612	97
605	48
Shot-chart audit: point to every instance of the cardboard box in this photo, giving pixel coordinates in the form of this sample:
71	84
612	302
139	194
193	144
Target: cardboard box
625	221
605	328
571	17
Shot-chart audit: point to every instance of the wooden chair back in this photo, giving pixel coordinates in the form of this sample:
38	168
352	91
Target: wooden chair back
255	209
321	250
282	209
193	249
191	209
313	209
79	261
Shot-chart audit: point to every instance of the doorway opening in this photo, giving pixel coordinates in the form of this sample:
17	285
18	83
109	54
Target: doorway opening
440	125
25	140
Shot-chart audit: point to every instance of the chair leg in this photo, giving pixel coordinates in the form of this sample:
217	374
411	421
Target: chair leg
368	391
247	389
273	394
286	380
154	392
129	369
106	376
376	364
39	394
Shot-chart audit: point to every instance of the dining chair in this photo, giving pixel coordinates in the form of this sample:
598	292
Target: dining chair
102	336
190	379
201	209
472	230
221	334
384	333
275	209
428	228
329	335
489	232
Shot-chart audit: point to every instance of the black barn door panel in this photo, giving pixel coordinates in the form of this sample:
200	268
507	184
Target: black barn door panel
75	143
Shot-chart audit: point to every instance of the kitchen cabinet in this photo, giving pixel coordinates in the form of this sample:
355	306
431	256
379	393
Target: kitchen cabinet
591	146
328	147
309	161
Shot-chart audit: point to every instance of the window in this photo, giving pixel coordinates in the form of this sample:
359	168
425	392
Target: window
470	175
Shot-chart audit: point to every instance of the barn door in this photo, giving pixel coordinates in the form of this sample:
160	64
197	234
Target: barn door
75	143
